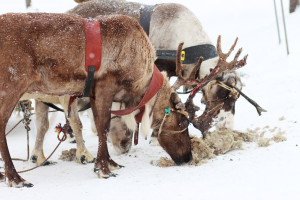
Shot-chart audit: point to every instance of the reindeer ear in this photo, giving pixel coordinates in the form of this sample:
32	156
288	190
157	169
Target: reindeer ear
176	101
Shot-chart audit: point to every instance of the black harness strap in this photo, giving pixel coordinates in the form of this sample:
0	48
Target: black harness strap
189	55
89	82
51	105
145	17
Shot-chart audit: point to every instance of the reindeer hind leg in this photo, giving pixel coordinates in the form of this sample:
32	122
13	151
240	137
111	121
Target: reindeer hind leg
83	156
42	126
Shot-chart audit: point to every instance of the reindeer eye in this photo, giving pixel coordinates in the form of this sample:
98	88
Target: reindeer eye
186	123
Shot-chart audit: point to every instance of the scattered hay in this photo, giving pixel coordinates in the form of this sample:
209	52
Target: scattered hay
263	142
163	162
279	137
200	151
216	143
223	141
281	118
68	155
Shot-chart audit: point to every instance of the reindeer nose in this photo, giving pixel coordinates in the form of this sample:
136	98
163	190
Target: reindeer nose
184	159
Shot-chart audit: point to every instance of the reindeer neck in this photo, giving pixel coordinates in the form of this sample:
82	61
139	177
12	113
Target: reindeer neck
159	102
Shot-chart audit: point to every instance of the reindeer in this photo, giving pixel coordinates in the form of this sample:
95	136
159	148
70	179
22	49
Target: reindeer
171	24
45	54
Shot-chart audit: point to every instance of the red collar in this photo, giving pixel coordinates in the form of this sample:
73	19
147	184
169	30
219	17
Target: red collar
155	84
93	43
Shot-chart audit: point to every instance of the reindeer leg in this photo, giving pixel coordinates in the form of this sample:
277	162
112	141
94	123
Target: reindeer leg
82	154
2	178
101	110
7	104
42	126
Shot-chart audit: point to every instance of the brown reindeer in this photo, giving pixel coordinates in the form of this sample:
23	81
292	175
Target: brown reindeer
45	54
170	24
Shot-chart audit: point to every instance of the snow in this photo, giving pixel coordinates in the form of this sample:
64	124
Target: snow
271	78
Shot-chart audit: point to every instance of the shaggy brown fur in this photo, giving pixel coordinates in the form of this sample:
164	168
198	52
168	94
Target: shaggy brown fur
44	53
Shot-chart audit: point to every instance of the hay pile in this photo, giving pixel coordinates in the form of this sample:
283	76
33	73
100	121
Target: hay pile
222	141
68	155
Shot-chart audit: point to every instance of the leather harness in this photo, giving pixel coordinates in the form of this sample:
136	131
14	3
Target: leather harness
189	55
154	86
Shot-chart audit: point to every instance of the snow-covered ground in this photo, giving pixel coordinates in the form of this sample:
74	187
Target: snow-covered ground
270	77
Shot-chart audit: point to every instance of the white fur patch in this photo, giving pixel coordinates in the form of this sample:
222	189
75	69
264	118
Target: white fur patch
129	120
225	120
146	122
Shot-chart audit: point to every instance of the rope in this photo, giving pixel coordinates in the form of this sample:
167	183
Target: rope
13	127
26	118
60	141
233	92
167	112
20	122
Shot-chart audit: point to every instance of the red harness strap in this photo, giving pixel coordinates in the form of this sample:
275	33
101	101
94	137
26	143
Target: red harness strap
93	44
92	54
155	84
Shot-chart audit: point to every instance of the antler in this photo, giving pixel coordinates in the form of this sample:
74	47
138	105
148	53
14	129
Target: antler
233	65
179	68
203	123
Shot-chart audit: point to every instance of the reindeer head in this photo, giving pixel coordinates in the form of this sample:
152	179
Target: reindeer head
170	124
222	75
219	92
173	133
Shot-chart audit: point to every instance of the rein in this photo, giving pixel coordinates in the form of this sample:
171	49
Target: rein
233	92
167	112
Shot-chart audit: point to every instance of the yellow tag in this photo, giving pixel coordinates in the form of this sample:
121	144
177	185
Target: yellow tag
182	55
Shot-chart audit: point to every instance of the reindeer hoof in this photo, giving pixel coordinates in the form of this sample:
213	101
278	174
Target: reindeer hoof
2	178
84	157
83	160
34	159
27	184
72	141
108	175
102	175
49	163
19	185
